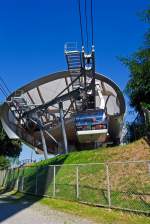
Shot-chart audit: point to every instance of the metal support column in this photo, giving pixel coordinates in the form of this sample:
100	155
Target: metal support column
93	75
44	144
63	127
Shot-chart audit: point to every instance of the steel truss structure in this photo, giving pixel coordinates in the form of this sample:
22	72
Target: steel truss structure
57	124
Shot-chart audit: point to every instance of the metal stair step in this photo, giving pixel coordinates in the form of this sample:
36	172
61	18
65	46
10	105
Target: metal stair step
75	69
71	68
72	52
73	56
74	62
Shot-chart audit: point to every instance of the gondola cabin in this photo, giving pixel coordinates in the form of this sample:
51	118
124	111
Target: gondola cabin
91	126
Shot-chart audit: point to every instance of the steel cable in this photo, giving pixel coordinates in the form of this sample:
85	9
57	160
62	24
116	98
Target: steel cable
79	7
92	22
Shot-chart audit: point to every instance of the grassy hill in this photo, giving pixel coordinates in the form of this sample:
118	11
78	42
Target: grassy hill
129	183
138	150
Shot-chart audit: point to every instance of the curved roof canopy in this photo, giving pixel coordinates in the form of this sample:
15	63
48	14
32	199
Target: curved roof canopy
48	87
45	89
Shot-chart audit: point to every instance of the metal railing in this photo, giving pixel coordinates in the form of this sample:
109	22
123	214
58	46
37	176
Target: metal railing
123	185
70	46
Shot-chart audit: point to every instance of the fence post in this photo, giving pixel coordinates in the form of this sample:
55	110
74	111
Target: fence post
22	182
4	176
36	184
77	181
108	185
1	177
54	181
4	171
1	172
148	164
17	184
13	170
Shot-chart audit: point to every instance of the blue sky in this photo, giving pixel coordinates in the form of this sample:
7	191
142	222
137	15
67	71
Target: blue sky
33	33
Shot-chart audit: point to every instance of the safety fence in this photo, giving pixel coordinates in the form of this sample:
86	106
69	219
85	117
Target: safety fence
122	185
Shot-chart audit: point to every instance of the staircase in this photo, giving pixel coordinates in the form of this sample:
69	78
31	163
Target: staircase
74	67
18	106
74	63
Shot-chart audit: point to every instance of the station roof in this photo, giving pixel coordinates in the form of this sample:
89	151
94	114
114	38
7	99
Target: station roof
48	87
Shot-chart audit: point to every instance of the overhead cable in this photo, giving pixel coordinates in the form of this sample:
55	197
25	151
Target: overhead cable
81	30
92	22
5	85
86	24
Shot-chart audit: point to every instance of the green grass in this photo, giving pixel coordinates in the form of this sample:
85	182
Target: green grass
130	187
96	214
99	215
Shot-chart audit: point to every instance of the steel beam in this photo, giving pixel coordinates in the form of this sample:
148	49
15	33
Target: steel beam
73	94
63	127
44	144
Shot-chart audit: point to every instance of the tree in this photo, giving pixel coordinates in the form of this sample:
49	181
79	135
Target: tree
8	147
4	162
138	86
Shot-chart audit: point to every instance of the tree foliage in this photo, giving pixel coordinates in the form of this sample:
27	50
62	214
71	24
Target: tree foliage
4	162
138	86
8	147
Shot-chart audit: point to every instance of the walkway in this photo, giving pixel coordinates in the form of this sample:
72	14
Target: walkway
13	211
